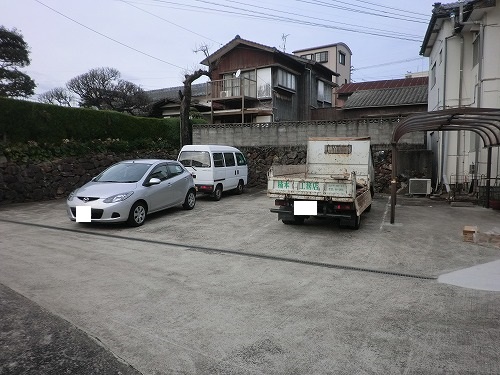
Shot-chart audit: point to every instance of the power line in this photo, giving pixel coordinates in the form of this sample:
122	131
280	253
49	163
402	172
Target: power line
387	7
108	37
172	23
364	10
243	9
389	34
315	18
388	63
273	17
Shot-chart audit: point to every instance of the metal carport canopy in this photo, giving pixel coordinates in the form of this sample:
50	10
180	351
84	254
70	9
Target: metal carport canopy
483	121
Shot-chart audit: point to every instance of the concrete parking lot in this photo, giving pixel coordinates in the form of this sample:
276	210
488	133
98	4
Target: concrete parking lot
228	289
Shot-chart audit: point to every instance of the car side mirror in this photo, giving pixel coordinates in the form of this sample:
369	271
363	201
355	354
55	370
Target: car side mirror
153	181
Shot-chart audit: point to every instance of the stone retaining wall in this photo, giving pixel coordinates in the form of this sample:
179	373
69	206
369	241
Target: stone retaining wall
24	182
57	178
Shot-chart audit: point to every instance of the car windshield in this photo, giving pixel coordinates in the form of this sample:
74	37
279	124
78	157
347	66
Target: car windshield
123	172
195	159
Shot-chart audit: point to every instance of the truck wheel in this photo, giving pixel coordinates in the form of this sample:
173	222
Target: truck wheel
353	223
356	222
368	209
297	220
217	194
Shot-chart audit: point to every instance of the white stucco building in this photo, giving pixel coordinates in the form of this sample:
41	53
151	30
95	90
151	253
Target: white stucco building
336	57
463	45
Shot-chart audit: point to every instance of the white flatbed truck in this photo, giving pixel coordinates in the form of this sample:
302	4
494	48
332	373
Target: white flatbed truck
336	182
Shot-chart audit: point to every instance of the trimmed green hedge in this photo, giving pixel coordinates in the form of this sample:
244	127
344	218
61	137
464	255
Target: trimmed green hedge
22	121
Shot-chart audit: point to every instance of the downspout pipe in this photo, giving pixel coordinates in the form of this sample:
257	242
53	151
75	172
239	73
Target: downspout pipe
479	97
393	182
488	178
444	177
481	49
308	89
444	136
479	104
460	94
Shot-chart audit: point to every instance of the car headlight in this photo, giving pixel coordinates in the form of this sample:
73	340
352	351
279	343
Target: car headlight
118	197
72	195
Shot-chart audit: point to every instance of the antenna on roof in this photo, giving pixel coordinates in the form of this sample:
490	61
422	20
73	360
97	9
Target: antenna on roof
283	38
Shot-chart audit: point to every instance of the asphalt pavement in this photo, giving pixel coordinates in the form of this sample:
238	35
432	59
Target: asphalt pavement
35	341
227	289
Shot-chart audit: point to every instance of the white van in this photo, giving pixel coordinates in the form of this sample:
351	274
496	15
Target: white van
215	168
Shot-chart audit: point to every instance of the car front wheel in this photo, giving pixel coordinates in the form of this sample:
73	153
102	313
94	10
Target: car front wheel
190	200
137	214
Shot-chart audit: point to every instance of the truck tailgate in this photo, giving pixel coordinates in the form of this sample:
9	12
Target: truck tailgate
311	188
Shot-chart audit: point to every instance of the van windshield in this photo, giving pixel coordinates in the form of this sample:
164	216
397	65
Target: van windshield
195	159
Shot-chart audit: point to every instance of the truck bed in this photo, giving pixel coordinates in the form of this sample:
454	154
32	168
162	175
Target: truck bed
293	182
336	180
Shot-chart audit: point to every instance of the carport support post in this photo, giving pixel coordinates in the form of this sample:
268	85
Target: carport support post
488	178
393	182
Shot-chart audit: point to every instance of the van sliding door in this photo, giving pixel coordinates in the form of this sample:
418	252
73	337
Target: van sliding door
219	169
231	171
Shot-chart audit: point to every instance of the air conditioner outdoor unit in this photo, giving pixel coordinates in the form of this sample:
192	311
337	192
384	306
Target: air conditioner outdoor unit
419	186
225	94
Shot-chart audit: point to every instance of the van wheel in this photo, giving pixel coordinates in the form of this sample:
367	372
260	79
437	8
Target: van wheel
137	214
190	200
217	194
239	188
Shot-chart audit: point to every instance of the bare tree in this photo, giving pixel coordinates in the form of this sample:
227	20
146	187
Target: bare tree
57	96
186	95
129	98
102	88
94	87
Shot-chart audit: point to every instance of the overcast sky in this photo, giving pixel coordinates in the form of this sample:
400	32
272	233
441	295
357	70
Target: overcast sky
151	42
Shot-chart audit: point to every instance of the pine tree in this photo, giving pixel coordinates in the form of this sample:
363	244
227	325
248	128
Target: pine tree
14	54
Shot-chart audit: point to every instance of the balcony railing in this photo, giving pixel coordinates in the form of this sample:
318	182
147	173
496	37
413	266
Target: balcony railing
232	88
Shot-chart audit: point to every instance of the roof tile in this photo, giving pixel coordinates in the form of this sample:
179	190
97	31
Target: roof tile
398	96
391	83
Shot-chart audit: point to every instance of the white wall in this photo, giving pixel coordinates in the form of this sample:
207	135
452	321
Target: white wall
480	87
333	61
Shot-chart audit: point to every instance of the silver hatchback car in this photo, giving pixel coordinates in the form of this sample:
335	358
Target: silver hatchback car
129	190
